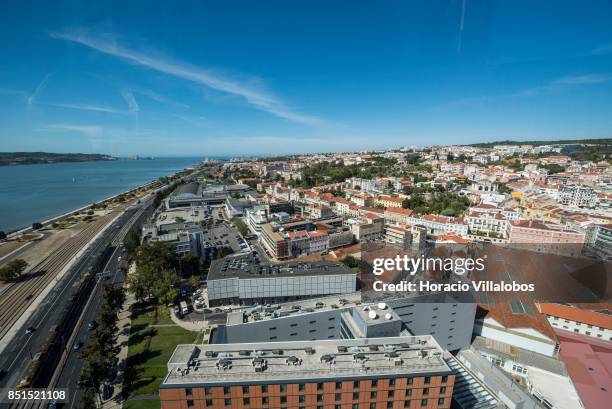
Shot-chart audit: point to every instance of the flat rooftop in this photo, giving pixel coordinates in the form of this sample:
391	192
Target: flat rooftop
307	361
298	307
249	266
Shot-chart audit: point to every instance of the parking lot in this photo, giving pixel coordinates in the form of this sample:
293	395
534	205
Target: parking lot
226	236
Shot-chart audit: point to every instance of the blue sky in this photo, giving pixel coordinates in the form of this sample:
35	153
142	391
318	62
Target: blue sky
206	78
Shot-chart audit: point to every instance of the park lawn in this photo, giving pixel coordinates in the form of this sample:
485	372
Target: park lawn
150	348
142	404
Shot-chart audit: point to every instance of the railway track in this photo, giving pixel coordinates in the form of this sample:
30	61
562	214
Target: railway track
15	300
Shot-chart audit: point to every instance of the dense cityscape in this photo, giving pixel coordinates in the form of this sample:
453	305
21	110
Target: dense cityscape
243	282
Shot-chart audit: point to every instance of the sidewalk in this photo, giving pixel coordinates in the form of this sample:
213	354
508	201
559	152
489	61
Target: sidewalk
124	324
189	325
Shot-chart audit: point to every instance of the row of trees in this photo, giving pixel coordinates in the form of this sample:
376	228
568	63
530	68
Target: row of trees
101	349
158	270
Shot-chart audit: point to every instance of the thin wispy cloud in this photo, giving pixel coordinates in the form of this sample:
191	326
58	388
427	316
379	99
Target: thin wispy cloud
128	96
602	50
198	121
555	85
159	98
259	99
87	107
582	79
38	90
89	130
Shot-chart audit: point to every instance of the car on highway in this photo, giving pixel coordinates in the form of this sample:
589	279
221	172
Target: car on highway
30	330
77	345
92	325
107	392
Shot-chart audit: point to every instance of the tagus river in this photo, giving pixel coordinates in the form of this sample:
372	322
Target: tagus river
31	193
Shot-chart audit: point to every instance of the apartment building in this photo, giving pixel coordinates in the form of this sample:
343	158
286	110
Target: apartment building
255	217
375	373
546	237
599	237
592	321
489	223
398	215
577	196
388	201
367	228
274	242
436	224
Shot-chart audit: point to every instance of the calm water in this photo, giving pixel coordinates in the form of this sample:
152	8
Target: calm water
32	193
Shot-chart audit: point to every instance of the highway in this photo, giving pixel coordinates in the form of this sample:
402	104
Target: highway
19	351
69	375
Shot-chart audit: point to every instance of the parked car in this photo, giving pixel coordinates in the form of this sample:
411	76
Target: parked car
30	330
77	345
92	325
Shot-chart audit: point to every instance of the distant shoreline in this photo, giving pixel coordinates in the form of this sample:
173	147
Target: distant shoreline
39	158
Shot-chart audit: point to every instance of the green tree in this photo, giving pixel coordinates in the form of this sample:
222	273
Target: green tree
12	270
37	226
2	235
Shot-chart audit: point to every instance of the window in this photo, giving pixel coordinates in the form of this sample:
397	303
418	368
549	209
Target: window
444	379
391	394
390	405
391	382
189	403
355	384
283	388
338	385
293	325
372	406
312	322
427	380
227	402
272	328
443	389
410	381
302	387
319	398
283	399
188	391
320	386
373	394
302	398
245	389
264	400
331	319
293	334
374	384
425	391
424	402
355	395
264	389
226	389
441	401
312	330
408	392
246	401
208	402
407	403
207	391
338	396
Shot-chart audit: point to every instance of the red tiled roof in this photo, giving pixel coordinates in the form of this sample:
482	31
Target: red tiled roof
584	316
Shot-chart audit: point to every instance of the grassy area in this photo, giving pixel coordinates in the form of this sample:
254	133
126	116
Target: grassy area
150	348
142	404
241	226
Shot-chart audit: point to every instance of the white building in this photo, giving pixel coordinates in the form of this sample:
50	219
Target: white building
577	196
